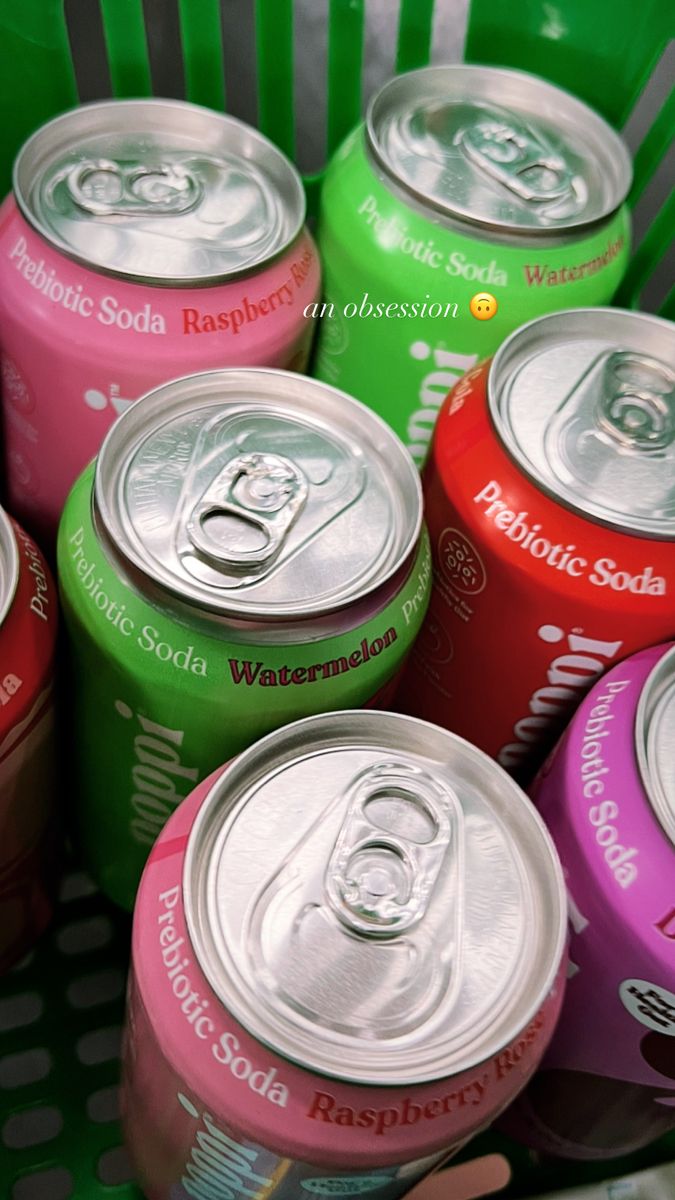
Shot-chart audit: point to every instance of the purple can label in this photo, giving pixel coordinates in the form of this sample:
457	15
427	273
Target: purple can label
607	1081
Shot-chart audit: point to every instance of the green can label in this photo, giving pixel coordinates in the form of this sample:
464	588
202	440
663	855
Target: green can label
397	329
158	703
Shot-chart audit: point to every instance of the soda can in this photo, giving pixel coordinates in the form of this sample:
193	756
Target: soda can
607	1084
248	550
146	239
348	955
550	506
28	621
466	183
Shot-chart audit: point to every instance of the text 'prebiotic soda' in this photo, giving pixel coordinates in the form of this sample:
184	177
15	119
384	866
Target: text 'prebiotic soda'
463	180
28	784
146	239
607	1085
247	550
549	500
347	958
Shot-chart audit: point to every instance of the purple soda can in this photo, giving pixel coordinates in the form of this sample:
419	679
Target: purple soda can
606	1085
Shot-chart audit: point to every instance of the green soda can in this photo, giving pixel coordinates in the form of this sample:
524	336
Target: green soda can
473	200
247	549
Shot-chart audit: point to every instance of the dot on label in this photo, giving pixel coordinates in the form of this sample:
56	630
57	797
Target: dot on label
188	1105
550	633
123	709
420	350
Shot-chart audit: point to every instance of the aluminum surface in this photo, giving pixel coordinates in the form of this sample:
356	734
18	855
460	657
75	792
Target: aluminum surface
498	148
159	191
374	898
258	493
655	741
9	565
585	403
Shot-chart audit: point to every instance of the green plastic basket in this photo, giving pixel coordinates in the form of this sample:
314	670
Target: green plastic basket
61	1010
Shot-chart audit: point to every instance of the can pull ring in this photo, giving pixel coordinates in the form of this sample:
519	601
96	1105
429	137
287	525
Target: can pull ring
105	188
258	497
390	849
637	401
514	157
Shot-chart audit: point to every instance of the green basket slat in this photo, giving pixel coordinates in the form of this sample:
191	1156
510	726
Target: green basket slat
346	19
38	79
654	146
414	34
274	51
668	307
600	52
202	39
127	46
650	251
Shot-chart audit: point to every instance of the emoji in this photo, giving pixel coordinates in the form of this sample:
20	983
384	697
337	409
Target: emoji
483	306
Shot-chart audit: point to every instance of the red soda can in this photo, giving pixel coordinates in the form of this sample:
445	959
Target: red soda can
28	618
348	956
550	507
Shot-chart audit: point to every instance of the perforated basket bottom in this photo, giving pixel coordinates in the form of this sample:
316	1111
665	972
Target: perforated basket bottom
61	1013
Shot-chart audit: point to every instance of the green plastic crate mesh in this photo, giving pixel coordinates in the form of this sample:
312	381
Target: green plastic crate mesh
61	1010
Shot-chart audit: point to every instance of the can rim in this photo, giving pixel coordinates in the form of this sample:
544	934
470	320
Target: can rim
579	321
250	137
661	680
9	563
206	834
112	463
587	115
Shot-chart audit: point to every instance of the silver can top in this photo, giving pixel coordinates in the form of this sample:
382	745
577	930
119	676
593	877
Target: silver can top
585	403
9	565
258	493
498	148
655	740
159	191
374	898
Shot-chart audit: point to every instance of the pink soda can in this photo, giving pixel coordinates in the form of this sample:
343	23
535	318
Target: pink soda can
607	1083
348	957
145	240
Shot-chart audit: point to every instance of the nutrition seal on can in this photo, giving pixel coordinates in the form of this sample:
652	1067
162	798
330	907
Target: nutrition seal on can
549	499
465	182
247	550
347	958
146	239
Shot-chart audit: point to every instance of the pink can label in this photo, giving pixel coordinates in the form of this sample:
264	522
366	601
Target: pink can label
181	1042
79	347
607	1082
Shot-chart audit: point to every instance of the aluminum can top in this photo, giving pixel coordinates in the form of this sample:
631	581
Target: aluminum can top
374	898
498	148
159	191
584	401
9	565
655	741
258	493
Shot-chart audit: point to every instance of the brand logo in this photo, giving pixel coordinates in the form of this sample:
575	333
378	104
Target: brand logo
568	676
461	563
218	1164
447	368
155	775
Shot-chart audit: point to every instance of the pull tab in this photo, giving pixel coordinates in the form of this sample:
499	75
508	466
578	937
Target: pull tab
255	499
637	401
390	849
514	157
104	188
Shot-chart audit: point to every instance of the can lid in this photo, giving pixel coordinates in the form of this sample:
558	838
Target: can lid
159	191
9	565
585	402
258	493
655	740
374	898
498	148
